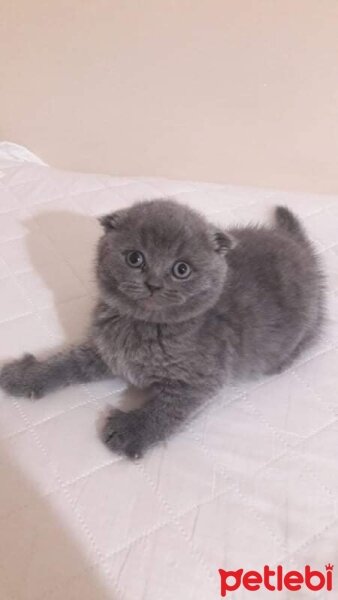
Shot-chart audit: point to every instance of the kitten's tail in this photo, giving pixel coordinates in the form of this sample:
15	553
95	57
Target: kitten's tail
286	220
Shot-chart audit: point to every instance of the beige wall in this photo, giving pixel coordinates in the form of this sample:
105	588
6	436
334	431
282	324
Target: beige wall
241	91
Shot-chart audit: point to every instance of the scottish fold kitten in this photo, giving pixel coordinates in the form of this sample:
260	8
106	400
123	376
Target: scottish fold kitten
184	308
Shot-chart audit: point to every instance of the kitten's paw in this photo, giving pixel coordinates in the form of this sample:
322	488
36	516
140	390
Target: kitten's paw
22	377
122	433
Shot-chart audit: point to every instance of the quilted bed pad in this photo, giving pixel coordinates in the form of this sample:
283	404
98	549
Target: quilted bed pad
252	482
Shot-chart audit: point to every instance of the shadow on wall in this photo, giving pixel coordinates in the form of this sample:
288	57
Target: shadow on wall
38	557
74	237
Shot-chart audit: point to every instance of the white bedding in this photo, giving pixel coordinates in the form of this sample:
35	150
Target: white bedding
253	481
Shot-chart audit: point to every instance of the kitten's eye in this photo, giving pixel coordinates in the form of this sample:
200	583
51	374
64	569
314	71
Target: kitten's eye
135	259
181	270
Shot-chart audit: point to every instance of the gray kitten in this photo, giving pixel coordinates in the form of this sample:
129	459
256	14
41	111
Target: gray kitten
183	308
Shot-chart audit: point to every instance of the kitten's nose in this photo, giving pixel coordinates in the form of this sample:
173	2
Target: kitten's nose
153	286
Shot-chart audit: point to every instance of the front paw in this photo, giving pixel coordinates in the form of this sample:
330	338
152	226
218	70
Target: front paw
124	433
22	377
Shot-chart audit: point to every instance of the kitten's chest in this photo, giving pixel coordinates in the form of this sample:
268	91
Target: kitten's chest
141	352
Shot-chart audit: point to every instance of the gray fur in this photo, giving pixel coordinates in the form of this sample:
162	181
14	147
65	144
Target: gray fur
252	303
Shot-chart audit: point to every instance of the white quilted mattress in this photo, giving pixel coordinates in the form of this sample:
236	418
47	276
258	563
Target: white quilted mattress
253	481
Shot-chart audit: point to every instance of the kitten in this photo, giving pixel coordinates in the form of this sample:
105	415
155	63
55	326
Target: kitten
184	308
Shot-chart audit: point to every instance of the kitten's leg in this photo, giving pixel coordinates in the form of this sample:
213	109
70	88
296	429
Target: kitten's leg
169	405
34	378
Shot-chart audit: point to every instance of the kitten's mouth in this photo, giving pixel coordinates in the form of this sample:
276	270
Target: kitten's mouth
151	302
156	302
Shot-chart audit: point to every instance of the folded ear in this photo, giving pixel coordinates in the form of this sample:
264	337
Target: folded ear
223	242
113	220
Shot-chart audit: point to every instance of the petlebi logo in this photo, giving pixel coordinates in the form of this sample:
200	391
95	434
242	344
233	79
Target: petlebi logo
276	579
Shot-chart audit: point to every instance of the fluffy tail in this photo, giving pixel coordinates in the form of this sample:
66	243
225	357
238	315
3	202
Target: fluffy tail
286	220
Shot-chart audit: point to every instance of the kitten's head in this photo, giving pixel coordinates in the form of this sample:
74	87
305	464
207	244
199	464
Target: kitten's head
160	261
